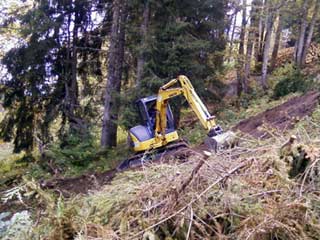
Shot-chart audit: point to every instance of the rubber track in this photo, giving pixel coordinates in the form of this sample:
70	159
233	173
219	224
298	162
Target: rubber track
153	155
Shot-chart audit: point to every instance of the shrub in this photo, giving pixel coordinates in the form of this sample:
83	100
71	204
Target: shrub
293	82
73	151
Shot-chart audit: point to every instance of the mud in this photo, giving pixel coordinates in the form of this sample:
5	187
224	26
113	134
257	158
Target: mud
280	118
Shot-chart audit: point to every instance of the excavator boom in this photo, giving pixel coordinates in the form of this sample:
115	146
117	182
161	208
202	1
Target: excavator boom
186	89
190	95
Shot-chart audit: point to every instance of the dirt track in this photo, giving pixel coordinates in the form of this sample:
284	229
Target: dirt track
282	117
86	182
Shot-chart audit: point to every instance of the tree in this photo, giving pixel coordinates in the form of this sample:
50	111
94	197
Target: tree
310	32
56	74
301	39
232	34
183	37
254	25
267	43
143	45
115	65
43	77
277	39
232	25
259	45
242	85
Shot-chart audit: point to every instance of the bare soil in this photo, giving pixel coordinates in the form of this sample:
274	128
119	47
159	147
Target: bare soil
81	184
281	118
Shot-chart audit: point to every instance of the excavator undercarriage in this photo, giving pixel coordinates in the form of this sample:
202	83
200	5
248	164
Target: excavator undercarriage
139	159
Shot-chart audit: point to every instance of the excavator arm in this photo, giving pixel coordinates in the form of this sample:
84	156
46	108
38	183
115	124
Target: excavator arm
186	89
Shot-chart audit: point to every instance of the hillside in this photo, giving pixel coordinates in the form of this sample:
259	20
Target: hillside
252	191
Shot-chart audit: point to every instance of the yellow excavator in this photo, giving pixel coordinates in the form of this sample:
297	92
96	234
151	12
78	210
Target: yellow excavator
157	131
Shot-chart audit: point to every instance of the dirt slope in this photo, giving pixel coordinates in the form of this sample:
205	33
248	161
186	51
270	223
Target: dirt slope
280	118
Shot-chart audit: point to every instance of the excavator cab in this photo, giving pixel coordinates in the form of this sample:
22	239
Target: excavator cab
147	111
141	136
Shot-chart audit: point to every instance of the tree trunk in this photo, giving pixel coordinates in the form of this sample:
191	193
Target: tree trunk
303	27
267	43
232	34
240	70
276	42
256	46
143	33
262	29
310	33
77	124
115	65
251	39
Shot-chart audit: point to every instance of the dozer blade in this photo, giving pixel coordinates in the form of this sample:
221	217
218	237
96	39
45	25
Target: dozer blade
220	141
153	155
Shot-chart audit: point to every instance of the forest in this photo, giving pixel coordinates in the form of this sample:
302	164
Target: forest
72	73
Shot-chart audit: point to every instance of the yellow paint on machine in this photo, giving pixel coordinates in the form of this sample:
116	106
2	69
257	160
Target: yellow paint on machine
152	143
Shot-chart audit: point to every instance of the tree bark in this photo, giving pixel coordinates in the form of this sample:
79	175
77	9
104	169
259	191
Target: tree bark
256	46
115	65
234	23
276	41
251	39
262	26
240	64
143	33
77	125
303	27
267	43
310	33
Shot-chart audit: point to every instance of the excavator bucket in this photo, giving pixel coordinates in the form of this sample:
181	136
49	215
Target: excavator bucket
217	139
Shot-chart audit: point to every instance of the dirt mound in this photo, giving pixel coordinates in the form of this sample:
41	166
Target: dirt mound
280	118
81	184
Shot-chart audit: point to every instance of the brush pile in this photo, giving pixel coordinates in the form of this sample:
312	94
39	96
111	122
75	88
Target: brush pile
243	193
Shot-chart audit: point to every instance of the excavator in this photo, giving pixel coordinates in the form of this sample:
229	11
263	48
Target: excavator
157	134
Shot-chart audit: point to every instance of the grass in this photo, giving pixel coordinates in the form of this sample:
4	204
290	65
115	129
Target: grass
11	168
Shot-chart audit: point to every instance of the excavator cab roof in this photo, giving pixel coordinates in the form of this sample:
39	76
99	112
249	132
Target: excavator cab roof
147	99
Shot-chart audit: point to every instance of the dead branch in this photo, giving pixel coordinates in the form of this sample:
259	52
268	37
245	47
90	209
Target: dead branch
261	194
228	174
190	224
194	172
